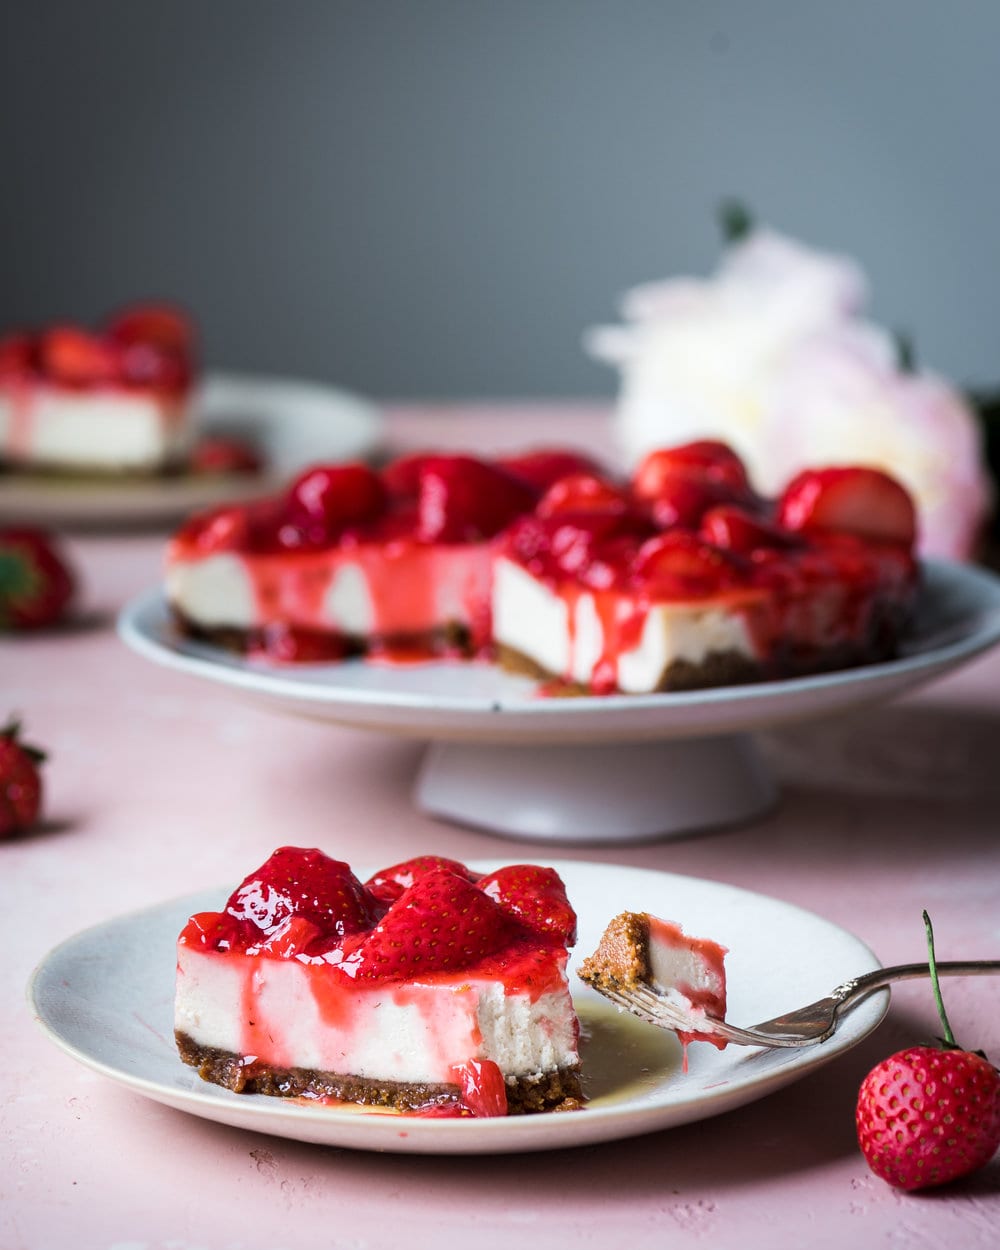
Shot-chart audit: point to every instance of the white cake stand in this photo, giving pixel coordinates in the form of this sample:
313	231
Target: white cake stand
585	770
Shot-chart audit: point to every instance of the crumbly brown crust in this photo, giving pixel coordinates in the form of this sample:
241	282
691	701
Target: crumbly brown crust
450	639
550	1091
622	956
723	668
729	668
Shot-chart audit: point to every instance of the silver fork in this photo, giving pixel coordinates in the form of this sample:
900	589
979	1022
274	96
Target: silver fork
804	1027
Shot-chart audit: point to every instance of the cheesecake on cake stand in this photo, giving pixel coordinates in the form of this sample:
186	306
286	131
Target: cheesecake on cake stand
636	637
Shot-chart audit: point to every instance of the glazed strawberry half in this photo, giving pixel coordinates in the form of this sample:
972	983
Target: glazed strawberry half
852	499
302	884
928	1115
20	781
37	583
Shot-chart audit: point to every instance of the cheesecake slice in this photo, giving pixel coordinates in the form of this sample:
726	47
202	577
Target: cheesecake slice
391	564
427	988
682	578
110	402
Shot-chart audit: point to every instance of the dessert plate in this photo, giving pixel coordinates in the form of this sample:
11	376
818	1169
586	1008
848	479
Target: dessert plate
106	997
678	762
291	422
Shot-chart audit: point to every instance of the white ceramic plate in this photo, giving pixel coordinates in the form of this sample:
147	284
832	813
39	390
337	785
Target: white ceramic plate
292	422
958	617
106	997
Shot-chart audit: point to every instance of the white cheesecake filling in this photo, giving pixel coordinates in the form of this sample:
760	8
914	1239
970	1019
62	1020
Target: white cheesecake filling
570	641
679	967
396	589
105	430
288	1014
216	592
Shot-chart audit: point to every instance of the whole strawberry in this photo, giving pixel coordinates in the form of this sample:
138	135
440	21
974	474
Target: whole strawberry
928	1115
20	781
36	583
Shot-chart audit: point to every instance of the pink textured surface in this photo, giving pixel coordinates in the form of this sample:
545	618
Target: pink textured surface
159	785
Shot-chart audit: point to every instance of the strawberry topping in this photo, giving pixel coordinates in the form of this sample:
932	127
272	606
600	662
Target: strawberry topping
858	500
442	923
536	897
149	347
429	914
327	499
306	884
390	883
542	469
462	499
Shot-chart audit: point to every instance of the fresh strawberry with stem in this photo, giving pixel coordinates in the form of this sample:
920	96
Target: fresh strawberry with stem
302	883
20	781
536	897
36	581
928	1115
441	923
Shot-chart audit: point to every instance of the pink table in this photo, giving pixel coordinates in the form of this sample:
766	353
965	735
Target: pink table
159	785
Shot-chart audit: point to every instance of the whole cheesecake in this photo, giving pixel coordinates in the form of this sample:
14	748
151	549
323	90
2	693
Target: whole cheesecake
427	988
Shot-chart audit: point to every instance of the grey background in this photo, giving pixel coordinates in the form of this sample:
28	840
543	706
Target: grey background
435	197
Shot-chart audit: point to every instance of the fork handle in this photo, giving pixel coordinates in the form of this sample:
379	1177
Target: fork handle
864	984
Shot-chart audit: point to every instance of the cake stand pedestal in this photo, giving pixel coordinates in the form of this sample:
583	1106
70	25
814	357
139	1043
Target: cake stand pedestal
576	793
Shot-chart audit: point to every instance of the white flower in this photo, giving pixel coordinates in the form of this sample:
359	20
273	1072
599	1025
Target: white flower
773	355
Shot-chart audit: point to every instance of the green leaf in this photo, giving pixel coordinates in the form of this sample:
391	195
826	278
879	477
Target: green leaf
735	220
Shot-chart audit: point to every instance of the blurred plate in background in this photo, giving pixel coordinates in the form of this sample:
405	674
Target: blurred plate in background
292	423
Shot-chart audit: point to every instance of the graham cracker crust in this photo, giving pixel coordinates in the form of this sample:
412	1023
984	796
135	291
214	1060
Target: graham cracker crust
550	1091
622	956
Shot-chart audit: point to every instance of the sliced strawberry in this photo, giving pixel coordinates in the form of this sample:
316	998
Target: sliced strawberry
735	529
536	897
390	883
462	499
307	884
483	1090
20	781
326	499
543	468
37	583
441	923
855	499
73	357
680	564
213	930
708	459
223	454
162	325
584	493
